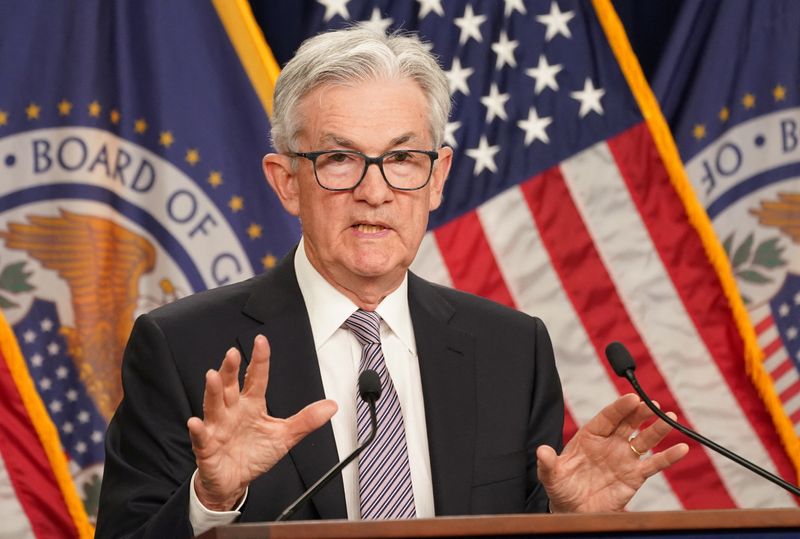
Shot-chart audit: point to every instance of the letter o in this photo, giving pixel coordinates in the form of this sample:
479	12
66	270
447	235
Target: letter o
181	206
64	153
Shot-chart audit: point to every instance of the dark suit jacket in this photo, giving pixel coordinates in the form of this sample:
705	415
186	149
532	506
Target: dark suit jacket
491	391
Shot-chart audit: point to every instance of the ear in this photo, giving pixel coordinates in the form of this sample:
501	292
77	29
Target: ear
441	169
283	180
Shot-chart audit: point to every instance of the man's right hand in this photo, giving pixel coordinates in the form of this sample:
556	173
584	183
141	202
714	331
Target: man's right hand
238	440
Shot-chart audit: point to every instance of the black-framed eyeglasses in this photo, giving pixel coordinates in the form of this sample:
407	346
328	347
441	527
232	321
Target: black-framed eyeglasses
343	170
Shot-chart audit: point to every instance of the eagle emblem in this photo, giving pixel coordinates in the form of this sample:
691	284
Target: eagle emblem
102	263
783	214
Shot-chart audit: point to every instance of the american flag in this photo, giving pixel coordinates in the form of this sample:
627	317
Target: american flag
561	203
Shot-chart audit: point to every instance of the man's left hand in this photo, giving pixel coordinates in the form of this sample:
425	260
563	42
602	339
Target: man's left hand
598	470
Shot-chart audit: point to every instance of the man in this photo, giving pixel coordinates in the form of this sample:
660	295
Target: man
471	409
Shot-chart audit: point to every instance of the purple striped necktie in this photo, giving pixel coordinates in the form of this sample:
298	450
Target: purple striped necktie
384	475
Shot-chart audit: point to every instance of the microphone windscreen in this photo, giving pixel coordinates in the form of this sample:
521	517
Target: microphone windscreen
369	385
620	358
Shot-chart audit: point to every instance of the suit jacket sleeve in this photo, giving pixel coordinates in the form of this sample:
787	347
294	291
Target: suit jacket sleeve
546	417
149	460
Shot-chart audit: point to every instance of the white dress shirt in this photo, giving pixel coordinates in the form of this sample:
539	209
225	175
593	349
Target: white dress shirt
339	355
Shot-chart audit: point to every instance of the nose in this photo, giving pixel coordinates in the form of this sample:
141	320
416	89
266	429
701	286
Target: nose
373	189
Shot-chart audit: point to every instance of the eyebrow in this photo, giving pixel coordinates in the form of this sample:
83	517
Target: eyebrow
347	143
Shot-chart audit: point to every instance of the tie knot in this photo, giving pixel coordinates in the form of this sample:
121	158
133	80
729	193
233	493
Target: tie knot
366	326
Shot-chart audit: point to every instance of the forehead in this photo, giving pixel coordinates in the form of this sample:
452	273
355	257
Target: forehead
366	114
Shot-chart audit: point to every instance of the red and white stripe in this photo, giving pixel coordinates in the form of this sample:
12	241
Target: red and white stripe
31	502
600	248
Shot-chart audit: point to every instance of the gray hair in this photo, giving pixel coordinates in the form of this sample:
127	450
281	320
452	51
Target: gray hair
353	55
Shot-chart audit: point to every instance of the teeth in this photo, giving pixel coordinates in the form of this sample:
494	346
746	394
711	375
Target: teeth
369	229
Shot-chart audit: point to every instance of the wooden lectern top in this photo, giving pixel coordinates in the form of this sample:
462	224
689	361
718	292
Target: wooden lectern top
638	524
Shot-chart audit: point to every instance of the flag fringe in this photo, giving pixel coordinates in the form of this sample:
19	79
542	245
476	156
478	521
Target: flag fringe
699	219
44	427
251	47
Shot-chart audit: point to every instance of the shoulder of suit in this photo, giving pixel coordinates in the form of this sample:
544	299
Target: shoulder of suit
471	304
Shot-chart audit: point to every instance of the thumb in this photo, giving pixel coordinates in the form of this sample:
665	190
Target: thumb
545	463
310	419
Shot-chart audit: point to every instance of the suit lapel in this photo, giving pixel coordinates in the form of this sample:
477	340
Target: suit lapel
294	377
447	369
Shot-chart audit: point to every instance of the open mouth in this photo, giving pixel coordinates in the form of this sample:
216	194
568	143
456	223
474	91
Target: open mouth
369	229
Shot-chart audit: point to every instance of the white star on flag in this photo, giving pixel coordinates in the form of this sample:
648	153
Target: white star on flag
333	8
495	104
470	25
457	77
514	5
427	6
377	23
450	133
483	156
505	51
534	127
544	74
556	22
589	98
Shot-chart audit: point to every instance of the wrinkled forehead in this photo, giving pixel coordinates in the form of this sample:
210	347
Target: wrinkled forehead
388	112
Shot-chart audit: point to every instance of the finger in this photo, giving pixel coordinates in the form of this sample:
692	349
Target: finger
630	426
310	419
229	372
257	376
612	416
213	401
198	433
664	459
652	435
640	415
545	463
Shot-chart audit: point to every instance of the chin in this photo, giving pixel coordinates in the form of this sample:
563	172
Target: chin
376	266
372	270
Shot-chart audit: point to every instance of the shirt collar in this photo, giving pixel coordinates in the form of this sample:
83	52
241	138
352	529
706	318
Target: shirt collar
328	308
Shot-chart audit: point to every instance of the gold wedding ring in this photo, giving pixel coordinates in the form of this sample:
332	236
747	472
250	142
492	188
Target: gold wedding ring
638	453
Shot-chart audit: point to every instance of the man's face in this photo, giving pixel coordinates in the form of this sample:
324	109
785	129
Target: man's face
370	235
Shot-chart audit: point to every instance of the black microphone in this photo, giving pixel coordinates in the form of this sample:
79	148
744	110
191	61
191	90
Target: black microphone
623	364
369	389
